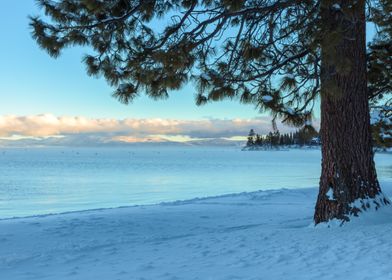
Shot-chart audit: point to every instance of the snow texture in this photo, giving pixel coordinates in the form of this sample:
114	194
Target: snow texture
258	235
330	194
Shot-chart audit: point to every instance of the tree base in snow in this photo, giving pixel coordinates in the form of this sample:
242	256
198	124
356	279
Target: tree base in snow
330	209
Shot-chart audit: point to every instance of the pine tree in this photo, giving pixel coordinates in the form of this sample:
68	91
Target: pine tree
306	134
296	138
380	54
382	126
259	140
287	140
275	138
290	139
251	140
380	75
281	140
269	139
278	55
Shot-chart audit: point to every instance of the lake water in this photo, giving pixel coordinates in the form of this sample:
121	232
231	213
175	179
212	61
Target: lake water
41	181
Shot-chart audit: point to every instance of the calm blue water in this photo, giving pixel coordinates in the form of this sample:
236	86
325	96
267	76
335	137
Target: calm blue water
41	181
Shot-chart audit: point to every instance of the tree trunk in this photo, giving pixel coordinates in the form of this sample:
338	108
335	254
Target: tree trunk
348	183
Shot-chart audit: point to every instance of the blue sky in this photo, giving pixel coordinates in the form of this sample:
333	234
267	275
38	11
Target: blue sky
31	82
38	91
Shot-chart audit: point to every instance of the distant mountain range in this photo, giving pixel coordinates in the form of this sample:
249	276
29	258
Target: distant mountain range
98	141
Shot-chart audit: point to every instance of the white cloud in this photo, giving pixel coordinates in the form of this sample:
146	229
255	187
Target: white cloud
130	130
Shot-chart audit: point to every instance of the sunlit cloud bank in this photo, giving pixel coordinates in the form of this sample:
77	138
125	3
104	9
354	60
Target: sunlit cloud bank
74	129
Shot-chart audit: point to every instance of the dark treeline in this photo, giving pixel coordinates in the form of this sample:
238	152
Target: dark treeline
306	136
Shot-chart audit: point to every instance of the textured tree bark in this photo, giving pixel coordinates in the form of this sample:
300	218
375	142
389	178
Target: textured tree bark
348	183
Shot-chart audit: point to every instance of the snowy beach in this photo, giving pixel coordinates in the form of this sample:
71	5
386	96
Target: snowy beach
256	235
236	232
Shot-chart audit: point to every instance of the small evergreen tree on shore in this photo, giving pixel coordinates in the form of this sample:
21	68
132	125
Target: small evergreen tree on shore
382	126
305	136
259	140
251	140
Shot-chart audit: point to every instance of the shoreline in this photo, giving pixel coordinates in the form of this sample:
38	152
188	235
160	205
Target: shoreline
179	201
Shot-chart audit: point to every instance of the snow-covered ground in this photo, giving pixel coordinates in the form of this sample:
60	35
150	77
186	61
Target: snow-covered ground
258	235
